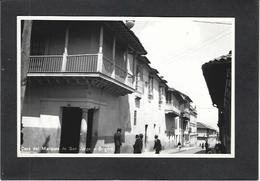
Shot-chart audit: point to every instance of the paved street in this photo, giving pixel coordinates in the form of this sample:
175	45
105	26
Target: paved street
183	150
188	150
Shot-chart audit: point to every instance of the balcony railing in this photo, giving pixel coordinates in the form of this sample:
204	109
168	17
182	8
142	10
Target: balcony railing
79	63
82	63
46	63
170	107
108	66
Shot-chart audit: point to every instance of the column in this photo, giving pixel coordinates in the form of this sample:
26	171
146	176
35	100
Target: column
83	131
65	54
113	56
100	51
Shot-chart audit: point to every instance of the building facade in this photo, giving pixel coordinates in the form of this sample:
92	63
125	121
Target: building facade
87	79
206	133
217	74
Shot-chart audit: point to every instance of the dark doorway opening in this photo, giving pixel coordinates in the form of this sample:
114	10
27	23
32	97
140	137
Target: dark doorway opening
89	139
70	129
145	135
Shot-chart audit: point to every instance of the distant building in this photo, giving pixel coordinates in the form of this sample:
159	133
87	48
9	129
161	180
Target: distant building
183	115
217	74
206	133
86	79
193	125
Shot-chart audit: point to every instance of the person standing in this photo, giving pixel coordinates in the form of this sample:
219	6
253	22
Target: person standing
206	146
157	145
117	140
141	142
136	145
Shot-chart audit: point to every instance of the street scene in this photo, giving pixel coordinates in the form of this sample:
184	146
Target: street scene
117	86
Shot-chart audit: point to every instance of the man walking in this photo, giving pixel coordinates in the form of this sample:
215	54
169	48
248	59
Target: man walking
157	145
117	140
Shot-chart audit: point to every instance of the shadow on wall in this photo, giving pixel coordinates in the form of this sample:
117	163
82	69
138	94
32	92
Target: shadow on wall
170	124
125	117
45	145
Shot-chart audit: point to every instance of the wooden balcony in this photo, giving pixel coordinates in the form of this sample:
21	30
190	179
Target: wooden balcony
170	108
185	116
83	66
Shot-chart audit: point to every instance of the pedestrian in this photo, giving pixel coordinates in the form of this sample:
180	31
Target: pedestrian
117	140
157	145
206	146
202	145
179	145
141	142
136	145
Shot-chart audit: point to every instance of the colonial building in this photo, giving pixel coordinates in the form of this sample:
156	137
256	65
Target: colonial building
86	79
193	125
217	74
206	133
183	115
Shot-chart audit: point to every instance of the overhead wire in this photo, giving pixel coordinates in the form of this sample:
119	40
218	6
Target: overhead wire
192	51
209	39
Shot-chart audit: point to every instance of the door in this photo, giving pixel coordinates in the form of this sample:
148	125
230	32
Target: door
89	148
70	129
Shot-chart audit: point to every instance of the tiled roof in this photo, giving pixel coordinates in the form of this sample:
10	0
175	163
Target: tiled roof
215	74
204	126
221	59
144	59
184	96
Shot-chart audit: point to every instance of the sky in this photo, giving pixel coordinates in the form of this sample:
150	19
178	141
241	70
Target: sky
178	47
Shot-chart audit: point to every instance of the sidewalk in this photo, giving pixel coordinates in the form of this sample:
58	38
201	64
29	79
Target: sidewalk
171	151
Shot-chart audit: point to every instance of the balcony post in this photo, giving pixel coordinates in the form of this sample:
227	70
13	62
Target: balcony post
127	66
100	51
178	127
113	56
65	54
134	69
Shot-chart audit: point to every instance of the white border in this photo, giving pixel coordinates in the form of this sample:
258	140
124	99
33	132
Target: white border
97	18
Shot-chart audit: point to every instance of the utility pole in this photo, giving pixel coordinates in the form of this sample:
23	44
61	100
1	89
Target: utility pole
25	55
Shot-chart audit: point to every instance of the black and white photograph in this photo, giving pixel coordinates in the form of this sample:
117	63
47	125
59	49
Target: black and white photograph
125	87
133	90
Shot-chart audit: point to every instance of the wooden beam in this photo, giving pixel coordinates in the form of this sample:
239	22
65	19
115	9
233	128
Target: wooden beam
25	55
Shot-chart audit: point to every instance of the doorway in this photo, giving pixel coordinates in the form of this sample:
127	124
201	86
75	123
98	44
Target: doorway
145	135
70	129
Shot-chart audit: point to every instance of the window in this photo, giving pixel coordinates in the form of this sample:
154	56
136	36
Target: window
150	88
135	117
130	63
137	102
108	45
120	61
139	79
168	98
161	90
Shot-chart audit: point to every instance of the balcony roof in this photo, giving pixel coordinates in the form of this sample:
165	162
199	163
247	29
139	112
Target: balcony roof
143	59
215	74
127	35
180	95
204	126
97	80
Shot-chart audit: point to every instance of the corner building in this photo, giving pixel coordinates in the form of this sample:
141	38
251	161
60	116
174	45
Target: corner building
85	80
